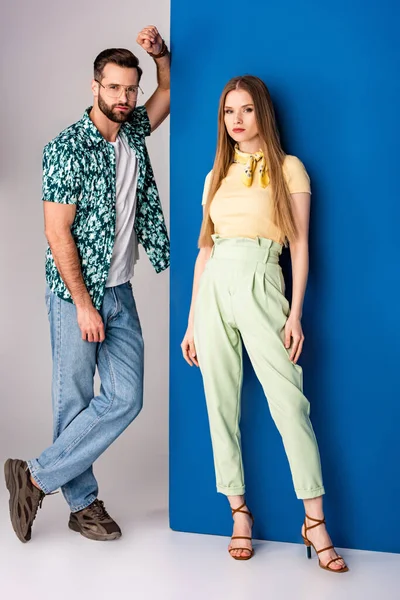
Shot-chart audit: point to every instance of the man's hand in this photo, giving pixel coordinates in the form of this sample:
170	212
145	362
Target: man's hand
90	323
150	40
158	104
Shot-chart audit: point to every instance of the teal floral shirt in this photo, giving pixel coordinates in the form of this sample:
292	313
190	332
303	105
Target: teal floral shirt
79	168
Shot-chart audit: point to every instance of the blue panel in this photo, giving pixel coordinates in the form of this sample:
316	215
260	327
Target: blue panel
333	72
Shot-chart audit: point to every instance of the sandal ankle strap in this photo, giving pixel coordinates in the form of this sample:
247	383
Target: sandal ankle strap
316	520
239	508
317	523
245	512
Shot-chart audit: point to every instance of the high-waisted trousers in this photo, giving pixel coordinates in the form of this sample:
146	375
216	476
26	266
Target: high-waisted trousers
241	299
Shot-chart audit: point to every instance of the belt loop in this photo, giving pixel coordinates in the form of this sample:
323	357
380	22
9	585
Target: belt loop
267	251
214	237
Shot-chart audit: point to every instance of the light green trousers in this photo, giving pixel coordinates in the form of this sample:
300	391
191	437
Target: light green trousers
241	298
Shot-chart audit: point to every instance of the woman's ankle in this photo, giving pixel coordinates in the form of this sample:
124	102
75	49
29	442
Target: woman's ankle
236	502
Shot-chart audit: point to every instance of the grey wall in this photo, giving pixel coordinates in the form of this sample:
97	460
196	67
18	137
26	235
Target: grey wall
47	52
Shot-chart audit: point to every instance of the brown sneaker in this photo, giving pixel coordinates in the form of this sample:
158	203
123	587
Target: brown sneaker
25	498
95	523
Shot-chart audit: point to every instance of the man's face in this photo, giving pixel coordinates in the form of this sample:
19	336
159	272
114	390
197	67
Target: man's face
116	80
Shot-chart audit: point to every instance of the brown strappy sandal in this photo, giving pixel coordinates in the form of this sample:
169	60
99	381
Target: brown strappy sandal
309	544
242	537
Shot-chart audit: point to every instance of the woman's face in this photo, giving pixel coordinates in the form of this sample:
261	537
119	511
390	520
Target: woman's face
240	117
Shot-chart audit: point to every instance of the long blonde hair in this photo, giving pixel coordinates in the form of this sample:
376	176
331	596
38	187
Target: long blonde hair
274	156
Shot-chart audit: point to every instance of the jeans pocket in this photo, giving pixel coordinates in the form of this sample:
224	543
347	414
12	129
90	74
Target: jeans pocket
48	301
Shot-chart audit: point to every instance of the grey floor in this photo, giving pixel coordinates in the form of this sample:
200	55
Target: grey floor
151	562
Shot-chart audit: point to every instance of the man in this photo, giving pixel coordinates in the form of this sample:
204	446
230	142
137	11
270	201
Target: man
100	200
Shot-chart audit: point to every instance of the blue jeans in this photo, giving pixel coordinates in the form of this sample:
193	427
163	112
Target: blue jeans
84	424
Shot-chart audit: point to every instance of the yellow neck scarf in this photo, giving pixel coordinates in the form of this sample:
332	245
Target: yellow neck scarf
251	160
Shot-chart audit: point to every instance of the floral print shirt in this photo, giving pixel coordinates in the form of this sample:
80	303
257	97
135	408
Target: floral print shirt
79	168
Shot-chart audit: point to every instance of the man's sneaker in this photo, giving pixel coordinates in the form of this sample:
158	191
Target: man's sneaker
25	498
95	523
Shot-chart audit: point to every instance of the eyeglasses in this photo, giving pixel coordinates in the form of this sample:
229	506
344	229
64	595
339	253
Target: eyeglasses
114	90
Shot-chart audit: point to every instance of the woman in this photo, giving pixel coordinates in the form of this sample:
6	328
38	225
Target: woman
256	199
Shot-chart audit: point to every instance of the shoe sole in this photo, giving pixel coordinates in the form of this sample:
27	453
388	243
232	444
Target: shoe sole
11	479
92	536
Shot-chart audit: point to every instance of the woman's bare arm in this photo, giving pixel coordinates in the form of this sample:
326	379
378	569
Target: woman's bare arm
300	262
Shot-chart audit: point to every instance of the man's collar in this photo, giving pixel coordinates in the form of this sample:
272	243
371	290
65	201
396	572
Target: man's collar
91	129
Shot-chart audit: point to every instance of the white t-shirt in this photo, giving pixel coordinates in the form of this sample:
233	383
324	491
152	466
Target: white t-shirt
125	245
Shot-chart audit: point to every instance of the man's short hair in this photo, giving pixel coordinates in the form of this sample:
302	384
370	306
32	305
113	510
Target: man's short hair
117	56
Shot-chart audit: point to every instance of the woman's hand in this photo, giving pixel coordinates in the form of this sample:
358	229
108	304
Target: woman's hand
294	331
188	347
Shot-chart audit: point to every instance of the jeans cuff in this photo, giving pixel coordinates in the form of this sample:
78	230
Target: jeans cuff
33	471
75	509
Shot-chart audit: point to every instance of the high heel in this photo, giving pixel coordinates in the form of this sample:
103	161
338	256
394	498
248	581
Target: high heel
242	537
308	548
309	544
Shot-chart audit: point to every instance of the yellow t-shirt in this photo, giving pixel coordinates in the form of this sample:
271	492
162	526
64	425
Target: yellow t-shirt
240	211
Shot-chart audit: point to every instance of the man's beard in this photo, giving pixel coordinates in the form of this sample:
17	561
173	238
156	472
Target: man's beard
116	117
